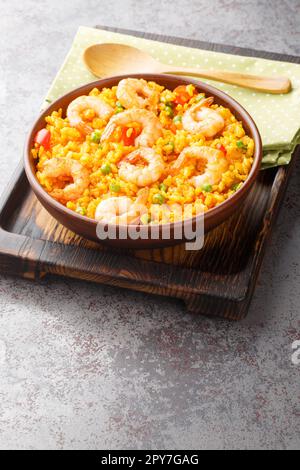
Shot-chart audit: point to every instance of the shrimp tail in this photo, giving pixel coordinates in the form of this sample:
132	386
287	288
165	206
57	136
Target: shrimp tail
109	130
85	128
206	101
177	164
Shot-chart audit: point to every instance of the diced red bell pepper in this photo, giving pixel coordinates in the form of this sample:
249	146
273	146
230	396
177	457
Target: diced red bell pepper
223	149
173	128
43	137
128	140
182	96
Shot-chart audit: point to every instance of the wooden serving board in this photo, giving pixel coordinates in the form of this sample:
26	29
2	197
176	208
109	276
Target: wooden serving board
218	280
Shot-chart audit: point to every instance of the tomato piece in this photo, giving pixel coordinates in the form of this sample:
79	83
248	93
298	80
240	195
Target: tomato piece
223	149
173	128
182	96
128	140
43	137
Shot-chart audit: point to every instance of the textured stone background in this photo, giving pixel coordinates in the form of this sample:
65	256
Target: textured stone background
86	366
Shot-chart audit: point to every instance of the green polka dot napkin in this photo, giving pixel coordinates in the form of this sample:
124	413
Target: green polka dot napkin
277	116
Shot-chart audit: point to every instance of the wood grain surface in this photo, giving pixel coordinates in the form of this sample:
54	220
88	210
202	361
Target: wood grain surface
218	280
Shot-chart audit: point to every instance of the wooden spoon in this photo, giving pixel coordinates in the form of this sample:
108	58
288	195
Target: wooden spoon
105	60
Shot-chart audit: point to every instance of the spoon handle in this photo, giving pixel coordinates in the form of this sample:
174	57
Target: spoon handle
274	85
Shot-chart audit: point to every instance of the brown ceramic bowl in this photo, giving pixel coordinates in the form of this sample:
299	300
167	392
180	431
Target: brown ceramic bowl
87	227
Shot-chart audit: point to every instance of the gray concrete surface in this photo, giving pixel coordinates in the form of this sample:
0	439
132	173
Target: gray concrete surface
86	366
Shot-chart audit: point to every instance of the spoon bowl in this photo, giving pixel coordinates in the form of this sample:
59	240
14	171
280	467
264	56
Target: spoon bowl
106	60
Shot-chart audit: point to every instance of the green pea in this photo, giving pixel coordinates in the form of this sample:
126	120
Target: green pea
200	97
236	186
119	108
96	136
145	219
158	199
105	169
115	187
207	188
169	147
240	144
177	119
169	111
163	187
81	210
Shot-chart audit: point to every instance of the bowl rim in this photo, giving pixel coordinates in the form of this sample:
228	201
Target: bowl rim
101	83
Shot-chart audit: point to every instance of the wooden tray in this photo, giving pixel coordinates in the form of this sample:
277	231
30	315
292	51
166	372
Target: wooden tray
218	280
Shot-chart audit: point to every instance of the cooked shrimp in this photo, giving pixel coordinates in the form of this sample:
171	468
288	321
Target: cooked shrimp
80	104
215	164
151	126
62	170
122	210
133	170
200	119
134	93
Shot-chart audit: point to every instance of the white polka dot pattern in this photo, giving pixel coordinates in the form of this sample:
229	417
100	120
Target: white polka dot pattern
277	116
